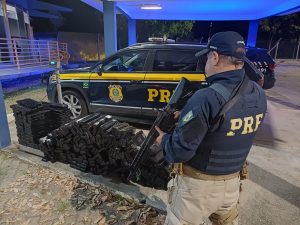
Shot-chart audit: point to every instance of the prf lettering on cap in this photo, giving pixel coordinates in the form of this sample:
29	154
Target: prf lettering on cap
162	95
245	125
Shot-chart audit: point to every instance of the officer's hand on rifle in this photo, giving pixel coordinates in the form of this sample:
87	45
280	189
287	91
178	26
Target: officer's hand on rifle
156	154
161	134
177	115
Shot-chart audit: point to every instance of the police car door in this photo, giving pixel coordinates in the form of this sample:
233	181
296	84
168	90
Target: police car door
169	66
116	89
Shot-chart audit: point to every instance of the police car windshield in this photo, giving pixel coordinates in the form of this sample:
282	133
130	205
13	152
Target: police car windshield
95	65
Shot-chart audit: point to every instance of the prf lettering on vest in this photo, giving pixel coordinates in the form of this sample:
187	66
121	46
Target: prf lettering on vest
161	95
245	125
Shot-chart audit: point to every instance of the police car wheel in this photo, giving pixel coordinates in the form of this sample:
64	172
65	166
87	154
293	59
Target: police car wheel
75	103
269	83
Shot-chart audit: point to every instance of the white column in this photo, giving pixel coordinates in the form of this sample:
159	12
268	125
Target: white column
7	30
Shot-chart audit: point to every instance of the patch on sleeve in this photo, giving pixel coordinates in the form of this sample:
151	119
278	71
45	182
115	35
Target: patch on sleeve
193	130
188	117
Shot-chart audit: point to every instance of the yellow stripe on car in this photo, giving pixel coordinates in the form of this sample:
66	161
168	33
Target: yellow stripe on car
118	76
104	76
75	76
174	77
132	76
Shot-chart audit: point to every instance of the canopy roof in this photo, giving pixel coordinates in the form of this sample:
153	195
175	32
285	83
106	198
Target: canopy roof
203	9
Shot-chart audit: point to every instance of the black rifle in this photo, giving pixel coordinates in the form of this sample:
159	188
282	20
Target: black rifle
165	121
251	71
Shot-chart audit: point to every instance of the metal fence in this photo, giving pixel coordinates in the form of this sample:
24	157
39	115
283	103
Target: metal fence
19	54
282	48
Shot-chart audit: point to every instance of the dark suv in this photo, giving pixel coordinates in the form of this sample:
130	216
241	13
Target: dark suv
265	63
132	83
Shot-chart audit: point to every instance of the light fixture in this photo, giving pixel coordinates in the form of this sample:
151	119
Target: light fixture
151	7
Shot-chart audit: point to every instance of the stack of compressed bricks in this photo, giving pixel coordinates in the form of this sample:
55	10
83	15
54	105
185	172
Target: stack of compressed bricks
96	143
101	145
36	119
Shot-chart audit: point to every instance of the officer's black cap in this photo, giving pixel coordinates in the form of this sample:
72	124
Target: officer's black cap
228	43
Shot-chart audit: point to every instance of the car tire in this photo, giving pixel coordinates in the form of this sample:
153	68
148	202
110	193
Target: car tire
269	82
75	103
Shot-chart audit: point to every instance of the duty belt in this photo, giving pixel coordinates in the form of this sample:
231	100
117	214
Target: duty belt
194	173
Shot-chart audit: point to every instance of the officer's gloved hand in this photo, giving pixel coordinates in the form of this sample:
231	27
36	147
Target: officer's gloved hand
177	115
156	154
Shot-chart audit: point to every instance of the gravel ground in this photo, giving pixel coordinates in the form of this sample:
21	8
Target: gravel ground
36	93
33	195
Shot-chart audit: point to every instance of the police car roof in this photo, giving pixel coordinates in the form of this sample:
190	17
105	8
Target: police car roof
184	45
263	56
164	45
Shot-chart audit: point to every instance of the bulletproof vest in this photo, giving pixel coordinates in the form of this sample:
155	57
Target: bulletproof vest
224	150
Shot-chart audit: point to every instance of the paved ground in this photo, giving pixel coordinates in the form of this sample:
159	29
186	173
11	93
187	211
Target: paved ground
271	196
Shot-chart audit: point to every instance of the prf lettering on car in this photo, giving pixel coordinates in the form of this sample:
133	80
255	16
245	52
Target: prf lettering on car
245	125
162	95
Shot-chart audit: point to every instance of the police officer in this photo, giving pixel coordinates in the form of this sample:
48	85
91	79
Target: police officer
208	149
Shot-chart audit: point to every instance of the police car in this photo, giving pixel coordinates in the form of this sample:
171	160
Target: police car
132	83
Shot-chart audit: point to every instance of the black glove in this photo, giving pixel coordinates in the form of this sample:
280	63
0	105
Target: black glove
156	154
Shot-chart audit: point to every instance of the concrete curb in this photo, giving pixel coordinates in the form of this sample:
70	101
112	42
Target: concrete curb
10	117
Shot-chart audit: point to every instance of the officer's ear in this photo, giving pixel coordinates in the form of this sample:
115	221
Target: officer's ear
215	58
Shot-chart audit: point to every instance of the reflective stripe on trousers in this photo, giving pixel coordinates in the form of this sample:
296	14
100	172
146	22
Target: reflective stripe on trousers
193	201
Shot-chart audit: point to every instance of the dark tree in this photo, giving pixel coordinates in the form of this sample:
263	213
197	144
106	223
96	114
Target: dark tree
285	27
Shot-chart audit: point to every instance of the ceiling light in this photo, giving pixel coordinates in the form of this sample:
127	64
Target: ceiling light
151	7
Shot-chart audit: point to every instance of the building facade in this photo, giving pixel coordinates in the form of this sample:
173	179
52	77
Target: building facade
18	21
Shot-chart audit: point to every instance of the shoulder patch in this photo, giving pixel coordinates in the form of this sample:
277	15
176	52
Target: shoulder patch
189	116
